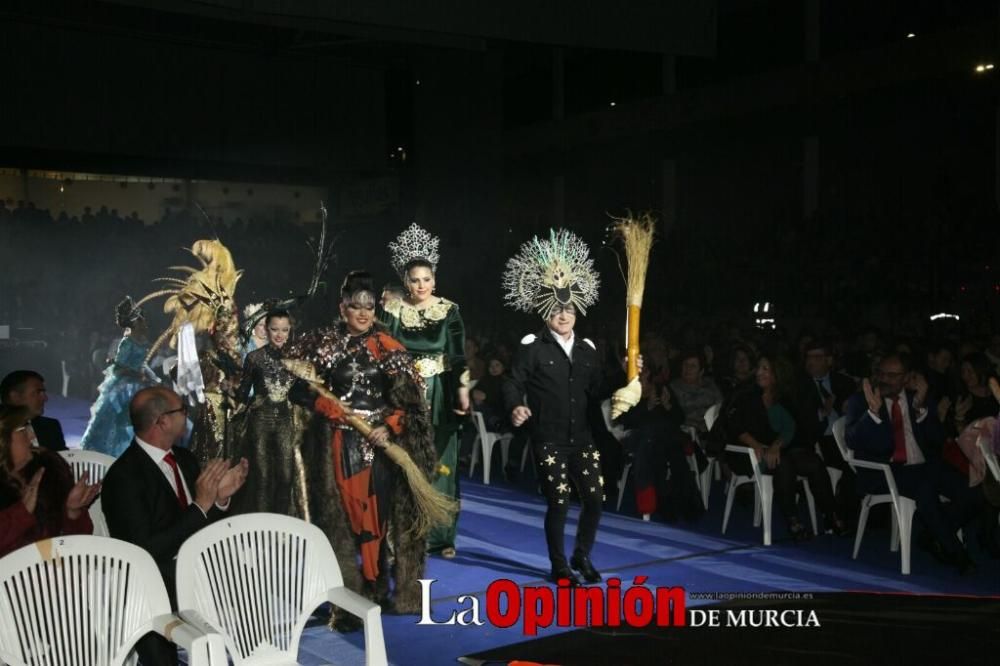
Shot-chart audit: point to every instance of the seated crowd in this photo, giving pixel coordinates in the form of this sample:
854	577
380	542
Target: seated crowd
921	415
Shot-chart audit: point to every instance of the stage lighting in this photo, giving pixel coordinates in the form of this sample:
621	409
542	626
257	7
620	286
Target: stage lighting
764	315
945	315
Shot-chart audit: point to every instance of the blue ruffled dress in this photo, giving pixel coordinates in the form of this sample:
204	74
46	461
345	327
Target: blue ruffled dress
110	430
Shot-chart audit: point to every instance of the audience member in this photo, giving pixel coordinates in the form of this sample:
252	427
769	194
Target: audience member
38	497
155	496
27	388
890	422
761	417
695	392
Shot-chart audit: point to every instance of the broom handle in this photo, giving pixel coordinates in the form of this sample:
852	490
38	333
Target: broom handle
632	336
350	417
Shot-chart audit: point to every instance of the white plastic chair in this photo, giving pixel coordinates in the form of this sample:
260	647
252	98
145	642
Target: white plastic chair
95	465
903	508
834	472
764	495
713	469
619	433
255	580
87	600
486	441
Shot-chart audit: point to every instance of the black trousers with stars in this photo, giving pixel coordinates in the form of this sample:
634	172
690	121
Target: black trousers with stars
559	468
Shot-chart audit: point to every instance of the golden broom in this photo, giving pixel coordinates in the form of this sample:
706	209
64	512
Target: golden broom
433	507
636	235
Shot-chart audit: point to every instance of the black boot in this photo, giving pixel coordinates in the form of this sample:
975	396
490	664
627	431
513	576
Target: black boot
583	564
563	571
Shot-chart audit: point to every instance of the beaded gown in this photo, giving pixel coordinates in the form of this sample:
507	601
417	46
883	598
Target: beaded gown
435	337
374	374
269	435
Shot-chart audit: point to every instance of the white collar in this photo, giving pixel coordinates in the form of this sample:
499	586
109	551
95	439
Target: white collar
154	452
567	345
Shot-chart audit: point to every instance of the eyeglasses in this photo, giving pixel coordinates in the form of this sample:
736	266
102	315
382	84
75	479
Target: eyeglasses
182	409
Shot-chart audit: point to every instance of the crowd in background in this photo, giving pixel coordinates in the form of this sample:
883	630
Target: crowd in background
54	275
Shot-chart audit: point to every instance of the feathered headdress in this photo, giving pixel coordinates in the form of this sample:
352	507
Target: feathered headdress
127	313
322	250
545	274
414	243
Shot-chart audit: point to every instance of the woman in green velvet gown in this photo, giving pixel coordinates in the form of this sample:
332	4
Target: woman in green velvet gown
431	329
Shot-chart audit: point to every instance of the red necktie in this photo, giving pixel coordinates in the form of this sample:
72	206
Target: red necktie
898	433
181	495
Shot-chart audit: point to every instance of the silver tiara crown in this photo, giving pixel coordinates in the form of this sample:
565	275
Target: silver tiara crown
553	272
414	243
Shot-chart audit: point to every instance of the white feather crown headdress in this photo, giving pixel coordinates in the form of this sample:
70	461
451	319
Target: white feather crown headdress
549	273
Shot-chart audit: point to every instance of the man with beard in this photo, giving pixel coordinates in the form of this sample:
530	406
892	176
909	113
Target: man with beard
890	422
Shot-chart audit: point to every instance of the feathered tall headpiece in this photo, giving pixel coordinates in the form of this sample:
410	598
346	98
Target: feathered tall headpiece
322	250
414	243
545	274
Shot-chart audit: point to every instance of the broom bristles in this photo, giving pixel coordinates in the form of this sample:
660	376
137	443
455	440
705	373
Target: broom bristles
636	234
433	507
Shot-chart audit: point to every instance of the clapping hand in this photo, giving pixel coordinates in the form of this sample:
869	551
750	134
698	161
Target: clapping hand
29	496
827	407
918	384
463	401
962	408
873	396
207	486
80	496
944	404
232	480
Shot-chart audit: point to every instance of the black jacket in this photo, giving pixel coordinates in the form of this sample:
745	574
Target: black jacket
49	433
141	506
561	394
808	404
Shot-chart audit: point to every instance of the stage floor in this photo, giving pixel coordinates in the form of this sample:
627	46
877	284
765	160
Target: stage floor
500	536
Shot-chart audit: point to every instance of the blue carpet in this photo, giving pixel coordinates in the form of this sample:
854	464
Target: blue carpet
500	536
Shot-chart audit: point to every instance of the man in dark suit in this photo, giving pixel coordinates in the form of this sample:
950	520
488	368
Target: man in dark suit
889	423
561	376
27	388
821	397
155	496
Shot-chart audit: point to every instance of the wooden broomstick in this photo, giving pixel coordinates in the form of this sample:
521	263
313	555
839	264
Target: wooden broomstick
433	507
636	235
